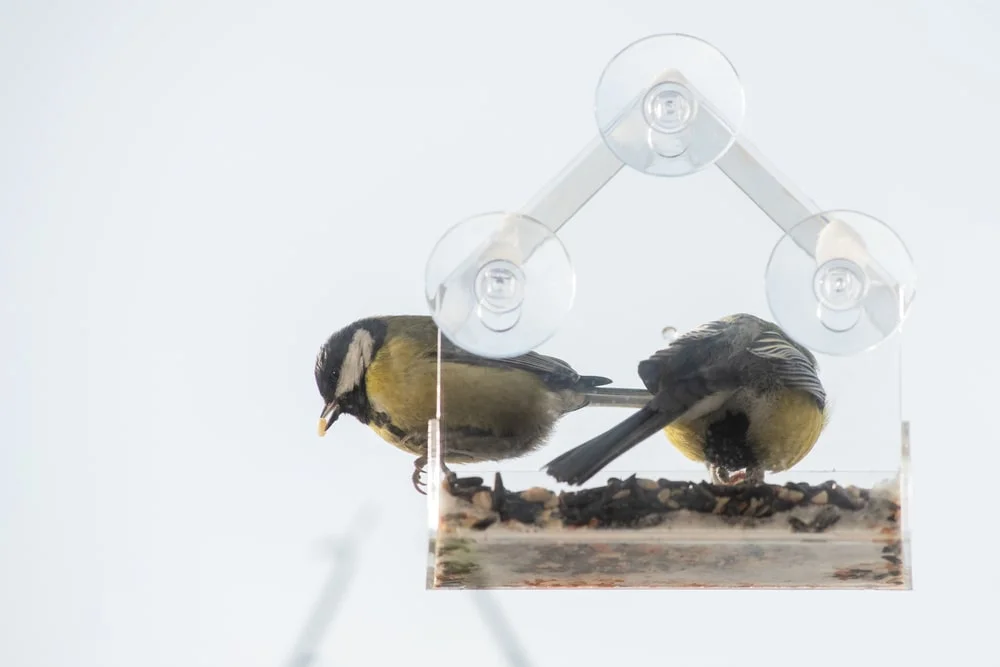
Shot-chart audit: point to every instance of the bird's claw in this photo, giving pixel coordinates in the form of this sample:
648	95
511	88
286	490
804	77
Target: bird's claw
719	475
737	477
418	475
723	477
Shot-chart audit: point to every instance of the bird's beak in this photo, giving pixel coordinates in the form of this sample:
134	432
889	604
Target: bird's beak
329	415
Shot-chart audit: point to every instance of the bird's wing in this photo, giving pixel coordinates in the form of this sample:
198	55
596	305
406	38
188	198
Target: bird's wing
796	368
555	372
689	354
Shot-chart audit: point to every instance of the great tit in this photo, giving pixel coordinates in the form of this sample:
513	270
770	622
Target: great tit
736	394
383	371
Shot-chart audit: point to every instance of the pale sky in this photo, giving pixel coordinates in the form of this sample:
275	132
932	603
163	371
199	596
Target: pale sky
194	195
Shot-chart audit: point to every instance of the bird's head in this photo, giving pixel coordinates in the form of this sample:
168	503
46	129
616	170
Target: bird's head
341	365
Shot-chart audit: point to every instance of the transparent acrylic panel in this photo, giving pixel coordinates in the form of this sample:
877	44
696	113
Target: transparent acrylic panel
653	259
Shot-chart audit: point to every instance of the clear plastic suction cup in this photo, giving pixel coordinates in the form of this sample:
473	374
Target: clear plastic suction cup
840	282
499	284
669	105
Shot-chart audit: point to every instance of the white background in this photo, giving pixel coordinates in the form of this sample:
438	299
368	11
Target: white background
193	195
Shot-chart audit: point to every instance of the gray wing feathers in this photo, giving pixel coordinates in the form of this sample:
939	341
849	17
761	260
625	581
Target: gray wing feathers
794	368
711	353
689	355
555	372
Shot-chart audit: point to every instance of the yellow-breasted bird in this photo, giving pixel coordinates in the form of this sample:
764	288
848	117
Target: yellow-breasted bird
383	372
735	394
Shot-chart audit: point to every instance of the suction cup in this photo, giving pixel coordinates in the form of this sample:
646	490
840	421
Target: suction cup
669	105
499	284
840	282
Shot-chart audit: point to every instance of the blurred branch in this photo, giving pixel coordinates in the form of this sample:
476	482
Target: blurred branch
344	551
344	554
503	632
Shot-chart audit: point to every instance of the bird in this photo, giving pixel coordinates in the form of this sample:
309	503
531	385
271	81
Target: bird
737	394
382	370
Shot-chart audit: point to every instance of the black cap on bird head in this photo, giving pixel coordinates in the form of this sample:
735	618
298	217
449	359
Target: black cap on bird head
340	368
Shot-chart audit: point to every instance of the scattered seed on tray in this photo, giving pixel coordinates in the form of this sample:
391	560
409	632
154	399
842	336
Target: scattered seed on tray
635	501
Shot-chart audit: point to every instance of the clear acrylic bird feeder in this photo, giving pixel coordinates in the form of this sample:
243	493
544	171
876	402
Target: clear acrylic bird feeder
838	281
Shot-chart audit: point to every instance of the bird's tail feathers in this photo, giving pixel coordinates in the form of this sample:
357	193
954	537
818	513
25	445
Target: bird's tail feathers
584	461
586	382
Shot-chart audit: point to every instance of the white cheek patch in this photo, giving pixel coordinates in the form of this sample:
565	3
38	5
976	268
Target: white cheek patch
357	359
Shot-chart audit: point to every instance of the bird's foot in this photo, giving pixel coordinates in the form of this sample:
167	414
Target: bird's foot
719	475
418	475
417	478
736	478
